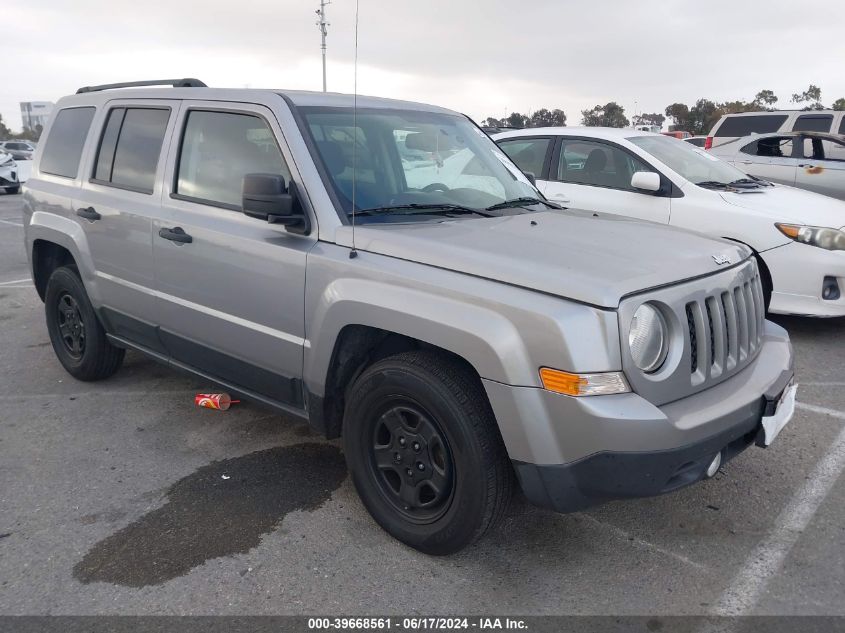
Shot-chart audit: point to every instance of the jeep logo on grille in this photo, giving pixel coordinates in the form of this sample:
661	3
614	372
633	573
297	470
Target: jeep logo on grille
721	260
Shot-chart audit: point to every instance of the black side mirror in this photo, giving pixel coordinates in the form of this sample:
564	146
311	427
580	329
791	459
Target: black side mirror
266	197
531	177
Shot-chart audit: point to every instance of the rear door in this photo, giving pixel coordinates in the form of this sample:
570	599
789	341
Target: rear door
596	176
231	287
774	158
119	199
818	172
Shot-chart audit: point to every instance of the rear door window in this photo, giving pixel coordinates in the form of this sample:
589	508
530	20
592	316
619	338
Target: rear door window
65	141
774	147
842	126
813	123
529	154
130	148
745	125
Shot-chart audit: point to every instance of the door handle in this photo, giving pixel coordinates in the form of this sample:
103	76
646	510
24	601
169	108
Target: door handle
176	234
88	213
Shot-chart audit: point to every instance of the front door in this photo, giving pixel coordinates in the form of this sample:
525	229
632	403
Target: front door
231	287
596	176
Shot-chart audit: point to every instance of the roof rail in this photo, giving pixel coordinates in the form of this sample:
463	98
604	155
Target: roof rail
176	83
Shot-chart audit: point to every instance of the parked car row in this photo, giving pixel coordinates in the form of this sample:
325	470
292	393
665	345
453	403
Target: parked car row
383	270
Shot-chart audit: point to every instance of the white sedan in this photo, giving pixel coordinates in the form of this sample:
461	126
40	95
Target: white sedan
797	236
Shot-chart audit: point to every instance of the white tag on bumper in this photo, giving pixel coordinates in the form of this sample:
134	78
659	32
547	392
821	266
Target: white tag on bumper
773	424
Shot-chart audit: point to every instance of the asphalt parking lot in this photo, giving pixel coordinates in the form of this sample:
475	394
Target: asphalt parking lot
123	497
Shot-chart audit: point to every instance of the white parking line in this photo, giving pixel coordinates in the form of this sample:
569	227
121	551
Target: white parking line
823	410
633	540
17	224
747	587
15	281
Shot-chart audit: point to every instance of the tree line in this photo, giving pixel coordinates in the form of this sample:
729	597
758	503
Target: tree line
697	119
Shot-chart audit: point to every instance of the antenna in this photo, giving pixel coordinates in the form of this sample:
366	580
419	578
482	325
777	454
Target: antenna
322	24
354	253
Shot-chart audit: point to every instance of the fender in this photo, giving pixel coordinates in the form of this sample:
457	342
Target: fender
484	338
67	233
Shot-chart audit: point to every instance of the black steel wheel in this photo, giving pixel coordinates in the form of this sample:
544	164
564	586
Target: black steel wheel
71	326
424	451
412	462
76	333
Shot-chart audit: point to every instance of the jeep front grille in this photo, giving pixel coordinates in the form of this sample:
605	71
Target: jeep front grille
728	326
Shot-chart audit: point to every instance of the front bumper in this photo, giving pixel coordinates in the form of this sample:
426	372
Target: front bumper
577	452
9	177
798	272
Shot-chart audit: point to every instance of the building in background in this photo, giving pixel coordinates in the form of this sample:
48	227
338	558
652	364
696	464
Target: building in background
35	113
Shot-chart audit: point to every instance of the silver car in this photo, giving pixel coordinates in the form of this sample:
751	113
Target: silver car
461	334
808	160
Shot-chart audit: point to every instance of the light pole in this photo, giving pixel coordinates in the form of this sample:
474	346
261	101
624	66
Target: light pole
322	24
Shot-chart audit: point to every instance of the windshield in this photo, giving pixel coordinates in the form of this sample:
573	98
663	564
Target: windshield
434	164
694	164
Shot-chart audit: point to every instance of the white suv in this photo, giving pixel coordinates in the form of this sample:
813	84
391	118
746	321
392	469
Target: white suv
734	126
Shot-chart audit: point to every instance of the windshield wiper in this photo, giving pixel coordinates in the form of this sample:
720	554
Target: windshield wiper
518	202
418	208
715	184
746	183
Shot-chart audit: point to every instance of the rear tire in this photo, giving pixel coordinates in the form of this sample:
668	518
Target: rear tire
78	338
425	453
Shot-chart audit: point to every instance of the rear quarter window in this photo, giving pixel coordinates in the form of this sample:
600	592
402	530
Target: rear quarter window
745	125
813	123
65	141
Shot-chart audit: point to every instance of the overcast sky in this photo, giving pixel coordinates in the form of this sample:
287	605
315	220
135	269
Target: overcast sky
482	58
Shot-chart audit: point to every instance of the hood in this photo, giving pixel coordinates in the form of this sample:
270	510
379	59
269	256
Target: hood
790	204
571	254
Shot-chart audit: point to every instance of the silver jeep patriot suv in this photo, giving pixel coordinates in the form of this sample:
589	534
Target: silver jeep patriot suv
381	269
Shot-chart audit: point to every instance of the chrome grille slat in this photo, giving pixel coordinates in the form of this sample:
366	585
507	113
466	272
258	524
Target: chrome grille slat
752	317
742	322
732	329
717	336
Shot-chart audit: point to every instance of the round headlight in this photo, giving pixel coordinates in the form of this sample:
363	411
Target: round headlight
648	338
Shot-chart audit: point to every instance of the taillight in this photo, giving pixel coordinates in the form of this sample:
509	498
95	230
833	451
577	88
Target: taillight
708	143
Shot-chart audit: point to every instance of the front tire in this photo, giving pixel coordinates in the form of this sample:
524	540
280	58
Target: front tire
78	338
424	451
13	190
